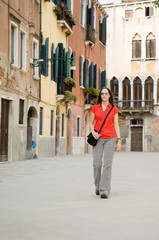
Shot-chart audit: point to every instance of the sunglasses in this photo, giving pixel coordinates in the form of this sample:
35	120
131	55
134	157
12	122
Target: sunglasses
102	94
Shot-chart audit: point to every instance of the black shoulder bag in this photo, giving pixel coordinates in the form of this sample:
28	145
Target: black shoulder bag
90	139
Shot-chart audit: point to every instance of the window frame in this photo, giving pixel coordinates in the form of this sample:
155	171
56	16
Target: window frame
41	120
23	50
36	56
62	125
52	122
78	126
14	44
21	111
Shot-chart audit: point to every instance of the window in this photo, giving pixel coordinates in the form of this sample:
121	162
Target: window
148	91
63	124
150	46
126	92
149	11
128	13
102	78
14	44
137	91
52	123
81	62
82	15
41	121
139	12
114	88
136	46
35	56
78	126
21	111
86	73
52	62
102	29
22	50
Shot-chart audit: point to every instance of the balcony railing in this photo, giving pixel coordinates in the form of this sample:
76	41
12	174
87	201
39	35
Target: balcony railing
62	86
135	105
90	34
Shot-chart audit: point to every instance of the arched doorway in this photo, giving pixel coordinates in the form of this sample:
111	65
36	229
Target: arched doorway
32	121
69	132
57	137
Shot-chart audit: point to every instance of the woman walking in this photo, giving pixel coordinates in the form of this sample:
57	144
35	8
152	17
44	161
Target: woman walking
107	138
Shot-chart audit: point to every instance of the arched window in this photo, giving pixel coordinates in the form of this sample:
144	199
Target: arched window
139	12
126	92
151	46
114	88
137	92
148	91
136	46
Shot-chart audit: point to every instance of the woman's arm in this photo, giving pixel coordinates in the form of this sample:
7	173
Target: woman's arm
91	125
117	130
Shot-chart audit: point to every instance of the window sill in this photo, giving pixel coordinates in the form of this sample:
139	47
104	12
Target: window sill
23	70
82	87
151	59
36	78
38	1
82	26
104	45
144	59
14	66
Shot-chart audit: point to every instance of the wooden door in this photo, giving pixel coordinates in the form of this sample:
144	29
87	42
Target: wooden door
4	131
136	139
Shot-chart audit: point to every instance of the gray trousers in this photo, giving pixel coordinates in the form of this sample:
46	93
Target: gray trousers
103	154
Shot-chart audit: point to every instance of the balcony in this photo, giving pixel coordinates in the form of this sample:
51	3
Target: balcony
65	20
90	34
135	106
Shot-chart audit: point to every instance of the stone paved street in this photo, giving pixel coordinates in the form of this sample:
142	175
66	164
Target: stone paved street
53	199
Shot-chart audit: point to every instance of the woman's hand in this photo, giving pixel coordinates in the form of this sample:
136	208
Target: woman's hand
119	145
95	134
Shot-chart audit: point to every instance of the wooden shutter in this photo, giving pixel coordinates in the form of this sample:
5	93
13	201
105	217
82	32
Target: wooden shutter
104	31
87	73
67	65
138	49
52	62
56	64
43	56
61	60
103	80
148	49
100	79
91	74
95	75
153	48
92	15
47	56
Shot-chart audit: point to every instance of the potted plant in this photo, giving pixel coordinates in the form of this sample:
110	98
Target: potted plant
69	97
70	81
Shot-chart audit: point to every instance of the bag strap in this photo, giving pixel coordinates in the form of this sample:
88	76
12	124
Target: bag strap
105	119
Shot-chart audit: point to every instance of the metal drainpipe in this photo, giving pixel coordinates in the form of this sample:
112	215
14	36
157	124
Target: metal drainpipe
40	50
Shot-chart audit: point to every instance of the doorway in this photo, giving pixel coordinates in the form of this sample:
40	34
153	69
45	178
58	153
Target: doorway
4	130
136	139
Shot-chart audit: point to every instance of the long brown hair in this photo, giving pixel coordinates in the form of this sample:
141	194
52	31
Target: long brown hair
111	99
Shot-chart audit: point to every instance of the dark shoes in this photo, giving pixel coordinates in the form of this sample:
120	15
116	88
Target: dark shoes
104	196
97	192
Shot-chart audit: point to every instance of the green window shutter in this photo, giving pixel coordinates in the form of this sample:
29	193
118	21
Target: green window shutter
100	31
52	62
47	55
56	64
81	70
91	74
43	56
87	15
94	76
68	3
87	73
61	60
100	78
67	65
103	80
92	15
104	31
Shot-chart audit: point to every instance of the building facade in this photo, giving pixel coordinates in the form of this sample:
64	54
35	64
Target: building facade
57	25
19	83
133	71
87	46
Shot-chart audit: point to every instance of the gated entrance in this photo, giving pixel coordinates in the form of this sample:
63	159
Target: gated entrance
4	130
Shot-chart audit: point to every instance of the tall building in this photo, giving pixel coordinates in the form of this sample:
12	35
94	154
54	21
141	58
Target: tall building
19	82
87	46
55	61
133	71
